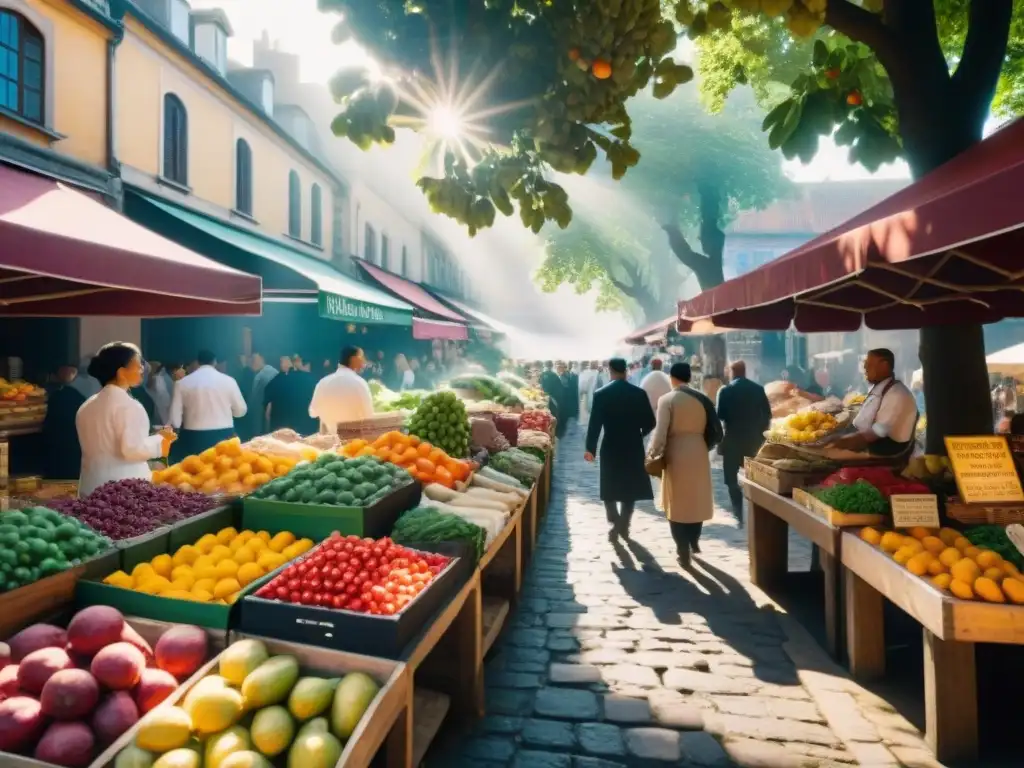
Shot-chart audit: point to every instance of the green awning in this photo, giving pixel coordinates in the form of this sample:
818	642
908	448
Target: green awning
338	296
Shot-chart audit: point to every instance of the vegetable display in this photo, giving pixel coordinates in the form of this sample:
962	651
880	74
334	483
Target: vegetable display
518	464
441	420
518	382
334	479
508	425
882	478
361	575
68	694
994	537
215	568
424	461
226	468
123	509
534	442
485	434
537	420
488	388
425	525
38	542
256	709
385	400
952	563
858	498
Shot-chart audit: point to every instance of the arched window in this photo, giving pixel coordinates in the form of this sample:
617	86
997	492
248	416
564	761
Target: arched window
22	67
243	177
294	205
175	140
405	262
385	252
315	221
370	244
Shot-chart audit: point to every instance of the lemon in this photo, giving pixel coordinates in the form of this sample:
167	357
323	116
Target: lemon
304	545
891	541
291	551
225	535
177	594
248	573
256	545
993	573
119	579
246	536
962	543
219	552
185	555
270	561
949	536
972	552
988	559
204	585
919	532
1014	590
162	565
903	555
942	580
205	571
265	535
180	572
142	571
236	544
918	564
936	567
913	545
226	569
965	570
961	589
183	582
282	540
206	543
933	544
988	590
871	536
152	587
201	596
949	556
226	587
244	555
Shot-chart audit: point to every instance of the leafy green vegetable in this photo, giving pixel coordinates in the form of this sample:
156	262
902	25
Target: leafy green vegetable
425	525
994	537
860	497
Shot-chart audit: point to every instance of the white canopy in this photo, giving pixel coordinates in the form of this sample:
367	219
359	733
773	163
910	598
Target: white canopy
1005	362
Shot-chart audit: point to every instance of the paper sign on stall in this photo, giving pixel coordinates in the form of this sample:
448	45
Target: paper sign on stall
984	469
913	509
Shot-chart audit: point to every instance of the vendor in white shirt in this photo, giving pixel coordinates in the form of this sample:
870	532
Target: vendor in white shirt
887	418
204	405
344	395
113	428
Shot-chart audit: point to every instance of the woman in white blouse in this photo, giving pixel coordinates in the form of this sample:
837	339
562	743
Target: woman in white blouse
113	427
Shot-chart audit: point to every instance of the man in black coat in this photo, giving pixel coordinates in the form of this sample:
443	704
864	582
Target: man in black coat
745	412
623	412
551	383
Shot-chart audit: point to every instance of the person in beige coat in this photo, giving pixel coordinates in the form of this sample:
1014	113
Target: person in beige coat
687	429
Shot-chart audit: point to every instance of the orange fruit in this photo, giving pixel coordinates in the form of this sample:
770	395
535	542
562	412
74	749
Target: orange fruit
602	69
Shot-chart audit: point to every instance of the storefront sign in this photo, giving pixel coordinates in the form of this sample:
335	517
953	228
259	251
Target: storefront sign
984	469
335	307
913	509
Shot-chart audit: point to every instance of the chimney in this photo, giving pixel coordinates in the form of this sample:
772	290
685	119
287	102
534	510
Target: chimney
210	32
257	85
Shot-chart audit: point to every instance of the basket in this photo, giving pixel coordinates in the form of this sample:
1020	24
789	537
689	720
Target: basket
832	515
980	514
781	481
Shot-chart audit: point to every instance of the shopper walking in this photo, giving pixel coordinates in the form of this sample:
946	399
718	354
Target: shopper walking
687	429
656	384
113	428
624	416
745	412
551	383
204	406
344	395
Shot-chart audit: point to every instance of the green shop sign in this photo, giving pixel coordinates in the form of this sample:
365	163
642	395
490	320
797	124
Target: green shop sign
335	307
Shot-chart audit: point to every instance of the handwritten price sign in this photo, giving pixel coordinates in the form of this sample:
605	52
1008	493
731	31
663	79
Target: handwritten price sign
913	509
984	469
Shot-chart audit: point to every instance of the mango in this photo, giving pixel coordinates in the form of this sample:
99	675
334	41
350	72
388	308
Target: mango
270	682
272	730
351	700
179	758
220	745
314	750
311	696
209	682
133	757
240	658
316	725
247	759
164	729
216	709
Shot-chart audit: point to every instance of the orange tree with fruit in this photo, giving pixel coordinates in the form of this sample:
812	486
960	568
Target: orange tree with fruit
911	79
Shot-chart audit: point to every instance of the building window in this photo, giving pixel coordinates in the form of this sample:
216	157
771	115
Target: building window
337	231
243	177
385	252
405	262
370	245
294	205
175	140
21	67
315	222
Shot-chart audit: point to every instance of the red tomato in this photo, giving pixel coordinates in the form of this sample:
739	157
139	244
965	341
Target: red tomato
388	609
328	585
352	537
356	605
281	593
339	601
294	597
351	589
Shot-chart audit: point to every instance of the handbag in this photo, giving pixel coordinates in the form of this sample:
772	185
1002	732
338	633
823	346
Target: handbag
655	465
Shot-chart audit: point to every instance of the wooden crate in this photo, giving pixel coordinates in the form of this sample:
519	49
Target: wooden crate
979	514
781	481
834	516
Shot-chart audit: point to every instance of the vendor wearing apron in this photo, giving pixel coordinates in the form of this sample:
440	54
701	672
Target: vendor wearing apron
886	422
204	405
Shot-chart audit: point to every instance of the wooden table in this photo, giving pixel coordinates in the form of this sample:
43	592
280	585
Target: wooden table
768	524
529	524
951	627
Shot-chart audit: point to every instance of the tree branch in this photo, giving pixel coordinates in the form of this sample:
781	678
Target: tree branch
862	26
988	32
688	257
625	288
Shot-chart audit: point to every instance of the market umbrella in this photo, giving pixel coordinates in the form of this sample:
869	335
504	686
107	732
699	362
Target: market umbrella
944	250
649	334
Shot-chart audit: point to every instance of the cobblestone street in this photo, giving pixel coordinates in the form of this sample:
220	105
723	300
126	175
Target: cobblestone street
616	656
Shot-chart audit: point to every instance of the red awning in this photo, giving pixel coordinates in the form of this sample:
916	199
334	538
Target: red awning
946	249
412	293
639	336
64	254
438	329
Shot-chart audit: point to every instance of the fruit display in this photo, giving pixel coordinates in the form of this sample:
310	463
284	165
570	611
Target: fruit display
258	710
537	420
806	426
441	420
215	568
37	542
517	463
225	468
19	391
488	388
884	479
427	525
994	537
361	575
335	480
67	694
123	509
424	461
928	468
952	563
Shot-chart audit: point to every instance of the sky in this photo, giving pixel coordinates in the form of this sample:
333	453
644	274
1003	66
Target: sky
298	26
